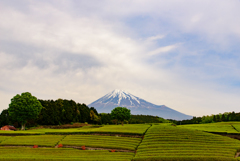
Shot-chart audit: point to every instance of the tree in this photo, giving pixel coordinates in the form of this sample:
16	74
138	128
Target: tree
84	112
218	119
24	107
223	118
121	114
4	118
214	118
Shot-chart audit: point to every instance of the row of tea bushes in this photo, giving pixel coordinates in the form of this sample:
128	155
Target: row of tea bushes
3	138
127	129
166	142
14	133
130	129
220	127
40	140
23	154
99	141
95	141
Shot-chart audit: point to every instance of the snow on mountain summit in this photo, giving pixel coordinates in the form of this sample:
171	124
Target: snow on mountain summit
121	98
122	95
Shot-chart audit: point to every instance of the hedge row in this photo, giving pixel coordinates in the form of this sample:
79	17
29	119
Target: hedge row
127	129
40	140
220	127
99	141
62	154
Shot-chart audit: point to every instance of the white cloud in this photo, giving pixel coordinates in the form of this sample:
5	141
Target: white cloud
164	49
154	38
112	56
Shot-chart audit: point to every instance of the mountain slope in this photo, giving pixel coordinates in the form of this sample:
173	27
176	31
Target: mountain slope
136	105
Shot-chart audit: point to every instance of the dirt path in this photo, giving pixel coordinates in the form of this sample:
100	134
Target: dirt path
93	148
237	154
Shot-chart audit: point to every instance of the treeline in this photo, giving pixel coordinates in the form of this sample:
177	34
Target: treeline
54	113
135	119
227	116
62	111
139	119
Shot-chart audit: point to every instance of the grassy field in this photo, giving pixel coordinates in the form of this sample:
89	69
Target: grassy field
220	127
22	154
99	141
166	142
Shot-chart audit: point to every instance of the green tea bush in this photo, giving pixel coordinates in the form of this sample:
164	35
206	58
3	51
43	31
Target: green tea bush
22	154
40	140
167	142
98	141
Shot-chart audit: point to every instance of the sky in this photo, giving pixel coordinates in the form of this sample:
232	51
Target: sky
182	54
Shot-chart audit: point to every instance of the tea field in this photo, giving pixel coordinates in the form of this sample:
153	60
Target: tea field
167	142
112	142
220	127
128	129
40	140
142	142
68	154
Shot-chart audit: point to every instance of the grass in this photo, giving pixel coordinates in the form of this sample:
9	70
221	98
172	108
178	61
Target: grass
99	141
166	142
22	154
40	140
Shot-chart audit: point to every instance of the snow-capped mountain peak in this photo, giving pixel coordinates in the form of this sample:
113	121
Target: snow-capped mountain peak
122	95
122	98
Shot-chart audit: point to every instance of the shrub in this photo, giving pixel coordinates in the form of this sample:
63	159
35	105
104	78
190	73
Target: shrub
83	147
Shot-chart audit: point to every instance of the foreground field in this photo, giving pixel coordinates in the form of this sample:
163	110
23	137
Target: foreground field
163	142
166	142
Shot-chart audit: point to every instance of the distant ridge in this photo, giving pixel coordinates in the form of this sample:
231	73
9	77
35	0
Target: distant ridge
137	105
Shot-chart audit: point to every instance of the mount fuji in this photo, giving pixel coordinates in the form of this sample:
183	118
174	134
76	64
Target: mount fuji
120	98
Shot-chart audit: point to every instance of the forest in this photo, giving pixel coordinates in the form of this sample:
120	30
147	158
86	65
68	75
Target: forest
62	111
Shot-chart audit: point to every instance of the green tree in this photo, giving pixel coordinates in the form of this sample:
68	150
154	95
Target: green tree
214	118
24	107
4	118
218	119
223	118
84	112
105	118
121	114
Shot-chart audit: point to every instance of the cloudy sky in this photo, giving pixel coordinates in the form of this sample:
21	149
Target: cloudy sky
182	54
